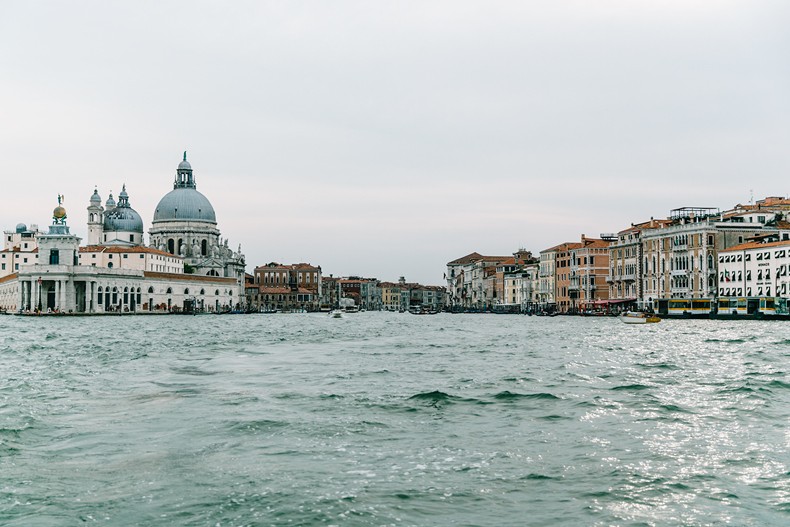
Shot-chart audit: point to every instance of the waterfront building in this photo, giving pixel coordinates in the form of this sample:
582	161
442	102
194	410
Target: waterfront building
626	269
473	282
547	279
589	262
390	296
753	276
521	288
116	272
20	247
330	292
565	298
680	257
287	287
185	224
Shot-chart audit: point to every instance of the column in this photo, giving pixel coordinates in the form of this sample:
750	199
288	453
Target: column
57	295
88	296
34	294
64	295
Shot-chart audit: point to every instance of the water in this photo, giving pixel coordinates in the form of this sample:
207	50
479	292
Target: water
392	419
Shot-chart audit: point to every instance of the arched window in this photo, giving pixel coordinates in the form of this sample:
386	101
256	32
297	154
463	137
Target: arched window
139	296
114	295
109	265
186	291
204	247
169	290
99	295
151	290
216	292
171	246
126	296
202	291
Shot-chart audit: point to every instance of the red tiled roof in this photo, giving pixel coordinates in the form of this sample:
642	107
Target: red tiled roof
8	278
115	249
756	245
189	277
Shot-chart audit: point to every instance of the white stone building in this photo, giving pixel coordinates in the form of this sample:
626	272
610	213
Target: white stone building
116	272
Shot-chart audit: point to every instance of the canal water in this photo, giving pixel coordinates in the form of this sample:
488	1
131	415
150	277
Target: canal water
392	419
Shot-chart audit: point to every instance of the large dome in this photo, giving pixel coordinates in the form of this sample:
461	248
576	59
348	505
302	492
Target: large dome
184	204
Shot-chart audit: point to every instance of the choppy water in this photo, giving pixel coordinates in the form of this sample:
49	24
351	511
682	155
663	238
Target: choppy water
392	419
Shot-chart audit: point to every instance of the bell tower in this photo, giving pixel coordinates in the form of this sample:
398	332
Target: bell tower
95	219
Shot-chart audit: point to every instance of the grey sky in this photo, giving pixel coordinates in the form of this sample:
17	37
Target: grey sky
387	138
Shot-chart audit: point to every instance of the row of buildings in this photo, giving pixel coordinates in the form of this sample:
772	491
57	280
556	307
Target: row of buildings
302	287
696	261
186	266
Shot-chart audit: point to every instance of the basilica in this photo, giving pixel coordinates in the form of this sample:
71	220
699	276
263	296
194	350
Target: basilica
187	265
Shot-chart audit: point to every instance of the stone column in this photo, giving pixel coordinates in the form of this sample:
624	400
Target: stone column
64	295
34	288
57	294
89	296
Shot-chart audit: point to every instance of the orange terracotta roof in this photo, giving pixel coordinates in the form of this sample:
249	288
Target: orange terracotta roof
115	249
9	277
469	258
189	277
756	245
20	251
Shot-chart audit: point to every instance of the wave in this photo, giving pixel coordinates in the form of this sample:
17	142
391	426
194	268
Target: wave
510	396
631	387
537	477
434	397
438	398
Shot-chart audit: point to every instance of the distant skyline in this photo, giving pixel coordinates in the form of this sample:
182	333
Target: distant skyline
387	138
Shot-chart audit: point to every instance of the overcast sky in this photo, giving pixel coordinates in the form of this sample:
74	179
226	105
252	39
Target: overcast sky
388	138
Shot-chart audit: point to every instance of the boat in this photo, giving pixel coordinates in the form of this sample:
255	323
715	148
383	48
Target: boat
422	310
336	314
638	317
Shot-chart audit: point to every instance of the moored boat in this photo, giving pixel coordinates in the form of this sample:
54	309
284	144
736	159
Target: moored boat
638	317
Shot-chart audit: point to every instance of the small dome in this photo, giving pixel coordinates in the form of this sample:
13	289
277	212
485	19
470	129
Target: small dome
184	165
110	202
20	228
123	219
95	198
59	212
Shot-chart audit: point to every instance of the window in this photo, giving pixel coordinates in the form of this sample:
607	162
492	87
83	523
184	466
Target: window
109	265
54	257
126	256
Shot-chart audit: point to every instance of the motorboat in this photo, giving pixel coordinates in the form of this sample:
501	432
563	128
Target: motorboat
638	317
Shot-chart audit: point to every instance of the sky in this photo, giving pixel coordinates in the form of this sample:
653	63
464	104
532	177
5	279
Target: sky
385	139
